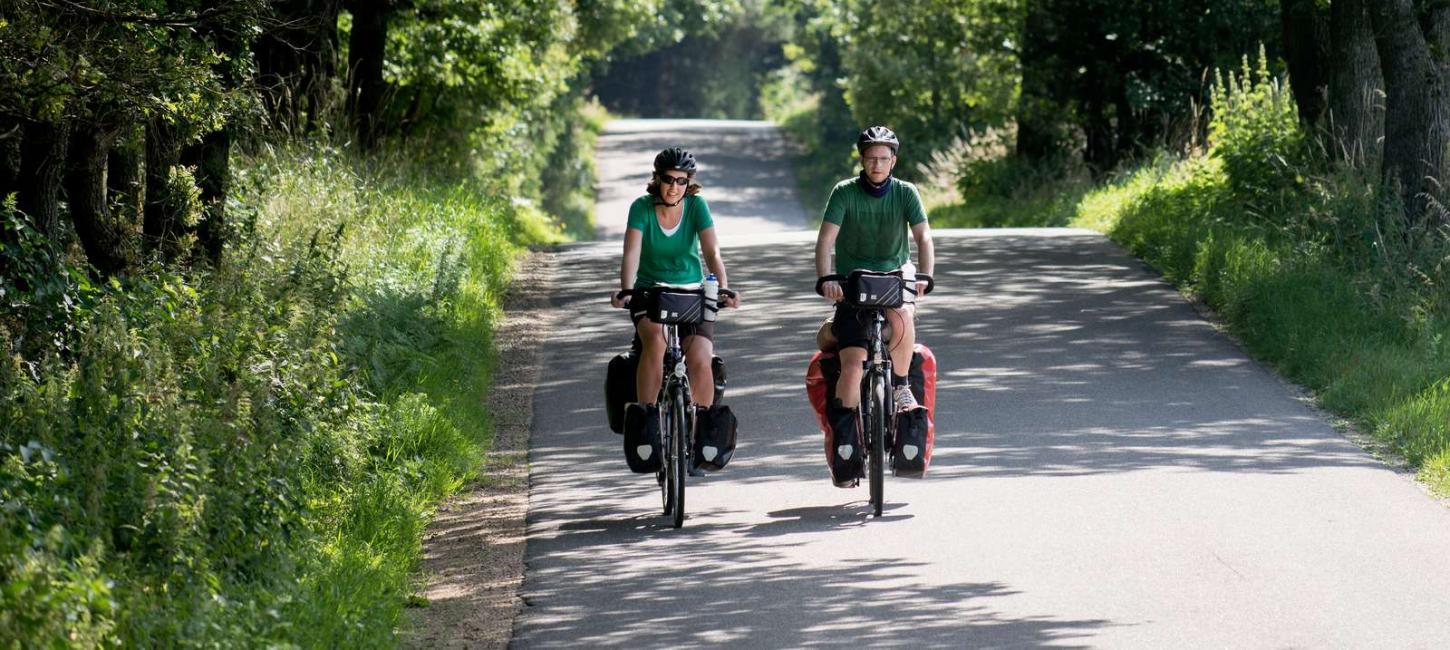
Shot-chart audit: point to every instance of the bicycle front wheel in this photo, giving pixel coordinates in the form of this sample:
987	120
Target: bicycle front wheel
679	457
876	432
666	472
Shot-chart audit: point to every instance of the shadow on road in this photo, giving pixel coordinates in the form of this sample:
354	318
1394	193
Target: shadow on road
1076	363
749	593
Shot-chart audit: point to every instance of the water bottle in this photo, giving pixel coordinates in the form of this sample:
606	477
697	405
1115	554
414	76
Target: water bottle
908	278
712	296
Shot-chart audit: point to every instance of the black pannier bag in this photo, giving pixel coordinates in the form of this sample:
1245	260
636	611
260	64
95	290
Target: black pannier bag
871	289
715	430
619	384
677	307
619	387
642	438
909	448
912	446
847	453
717	370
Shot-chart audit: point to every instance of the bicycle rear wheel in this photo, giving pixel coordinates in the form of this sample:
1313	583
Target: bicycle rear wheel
679	456
666	471
876	433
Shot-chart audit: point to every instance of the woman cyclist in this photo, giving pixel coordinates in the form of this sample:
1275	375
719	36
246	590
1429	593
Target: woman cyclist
670	239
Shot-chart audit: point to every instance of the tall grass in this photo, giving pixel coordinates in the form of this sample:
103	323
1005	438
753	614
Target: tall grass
1308	260
247	455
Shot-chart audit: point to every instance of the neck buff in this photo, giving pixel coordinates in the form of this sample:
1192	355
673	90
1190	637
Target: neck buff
873	189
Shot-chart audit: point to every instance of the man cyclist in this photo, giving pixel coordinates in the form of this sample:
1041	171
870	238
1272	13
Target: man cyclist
865	225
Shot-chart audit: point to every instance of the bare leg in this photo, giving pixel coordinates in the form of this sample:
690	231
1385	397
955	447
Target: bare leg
698	353
902	337
651	361
848	389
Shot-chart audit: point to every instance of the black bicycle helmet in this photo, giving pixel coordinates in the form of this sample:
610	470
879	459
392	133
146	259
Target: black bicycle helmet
877	135
675	158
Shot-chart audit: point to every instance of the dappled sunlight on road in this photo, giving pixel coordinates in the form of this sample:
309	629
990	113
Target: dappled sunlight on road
1076	393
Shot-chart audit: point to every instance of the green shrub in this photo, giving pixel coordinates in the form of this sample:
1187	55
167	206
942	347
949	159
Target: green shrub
1255	132
247	455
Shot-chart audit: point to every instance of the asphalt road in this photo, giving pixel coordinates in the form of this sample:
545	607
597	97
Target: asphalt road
744	169
1109	472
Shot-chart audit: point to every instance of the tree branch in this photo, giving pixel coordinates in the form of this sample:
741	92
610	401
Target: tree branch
157	20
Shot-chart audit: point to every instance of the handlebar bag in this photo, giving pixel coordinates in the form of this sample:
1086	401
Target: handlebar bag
878	290
677	307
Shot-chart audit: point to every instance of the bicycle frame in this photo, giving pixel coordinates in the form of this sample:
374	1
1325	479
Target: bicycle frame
876	406
675	426
677	422
878	415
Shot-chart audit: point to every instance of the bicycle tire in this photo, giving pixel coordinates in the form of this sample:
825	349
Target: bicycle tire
877	429
679	453
667	434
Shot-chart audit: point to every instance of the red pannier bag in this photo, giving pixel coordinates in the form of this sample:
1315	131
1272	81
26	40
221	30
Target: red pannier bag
825	369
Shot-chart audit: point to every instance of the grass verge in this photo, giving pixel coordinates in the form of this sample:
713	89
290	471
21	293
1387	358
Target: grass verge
1325	285
247	455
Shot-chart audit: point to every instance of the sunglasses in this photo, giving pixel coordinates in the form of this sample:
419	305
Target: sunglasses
674	180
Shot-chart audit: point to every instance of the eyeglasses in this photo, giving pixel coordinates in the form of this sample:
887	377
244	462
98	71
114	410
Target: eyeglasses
877	160
674	180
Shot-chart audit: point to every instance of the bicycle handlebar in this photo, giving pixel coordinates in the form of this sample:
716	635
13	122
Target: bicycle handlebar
623	293
836	277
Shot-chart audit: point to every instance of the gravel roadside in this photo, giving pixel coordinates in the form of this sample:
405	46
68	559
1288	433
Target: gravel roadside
473	552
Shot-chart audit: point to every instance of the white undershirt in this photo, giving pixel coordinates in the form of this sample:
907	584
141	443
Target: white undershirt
671	231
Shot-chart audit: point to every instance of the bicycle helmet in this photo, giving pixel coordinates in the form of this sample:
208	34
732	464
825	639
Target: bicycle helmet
675	158
877	135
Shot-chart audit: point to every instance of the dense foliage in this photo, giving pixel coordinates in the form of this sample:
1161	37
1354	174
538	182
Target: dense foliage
250	251
249	257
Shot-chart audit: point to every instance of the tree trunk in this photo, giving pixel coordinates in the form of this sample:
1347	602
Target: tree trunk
42	166
211	157
1417	118
1127	125
102	238
1355	85
1306	48
10	136
366	48
296	56
164	221
1100	151
1037	109
125	176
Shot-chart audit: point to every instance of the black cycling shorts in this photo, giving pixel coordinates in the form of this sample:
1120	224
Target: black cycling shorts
852	326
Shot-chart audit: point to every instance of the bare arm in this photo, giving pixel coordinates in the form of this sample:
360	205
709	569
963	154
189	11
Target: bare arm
710	249
825	244
629	266
925	249
925	253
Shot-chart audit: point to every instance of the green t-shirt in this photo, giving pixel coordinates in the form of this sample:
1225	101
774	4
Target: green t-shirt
874	231
673	258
